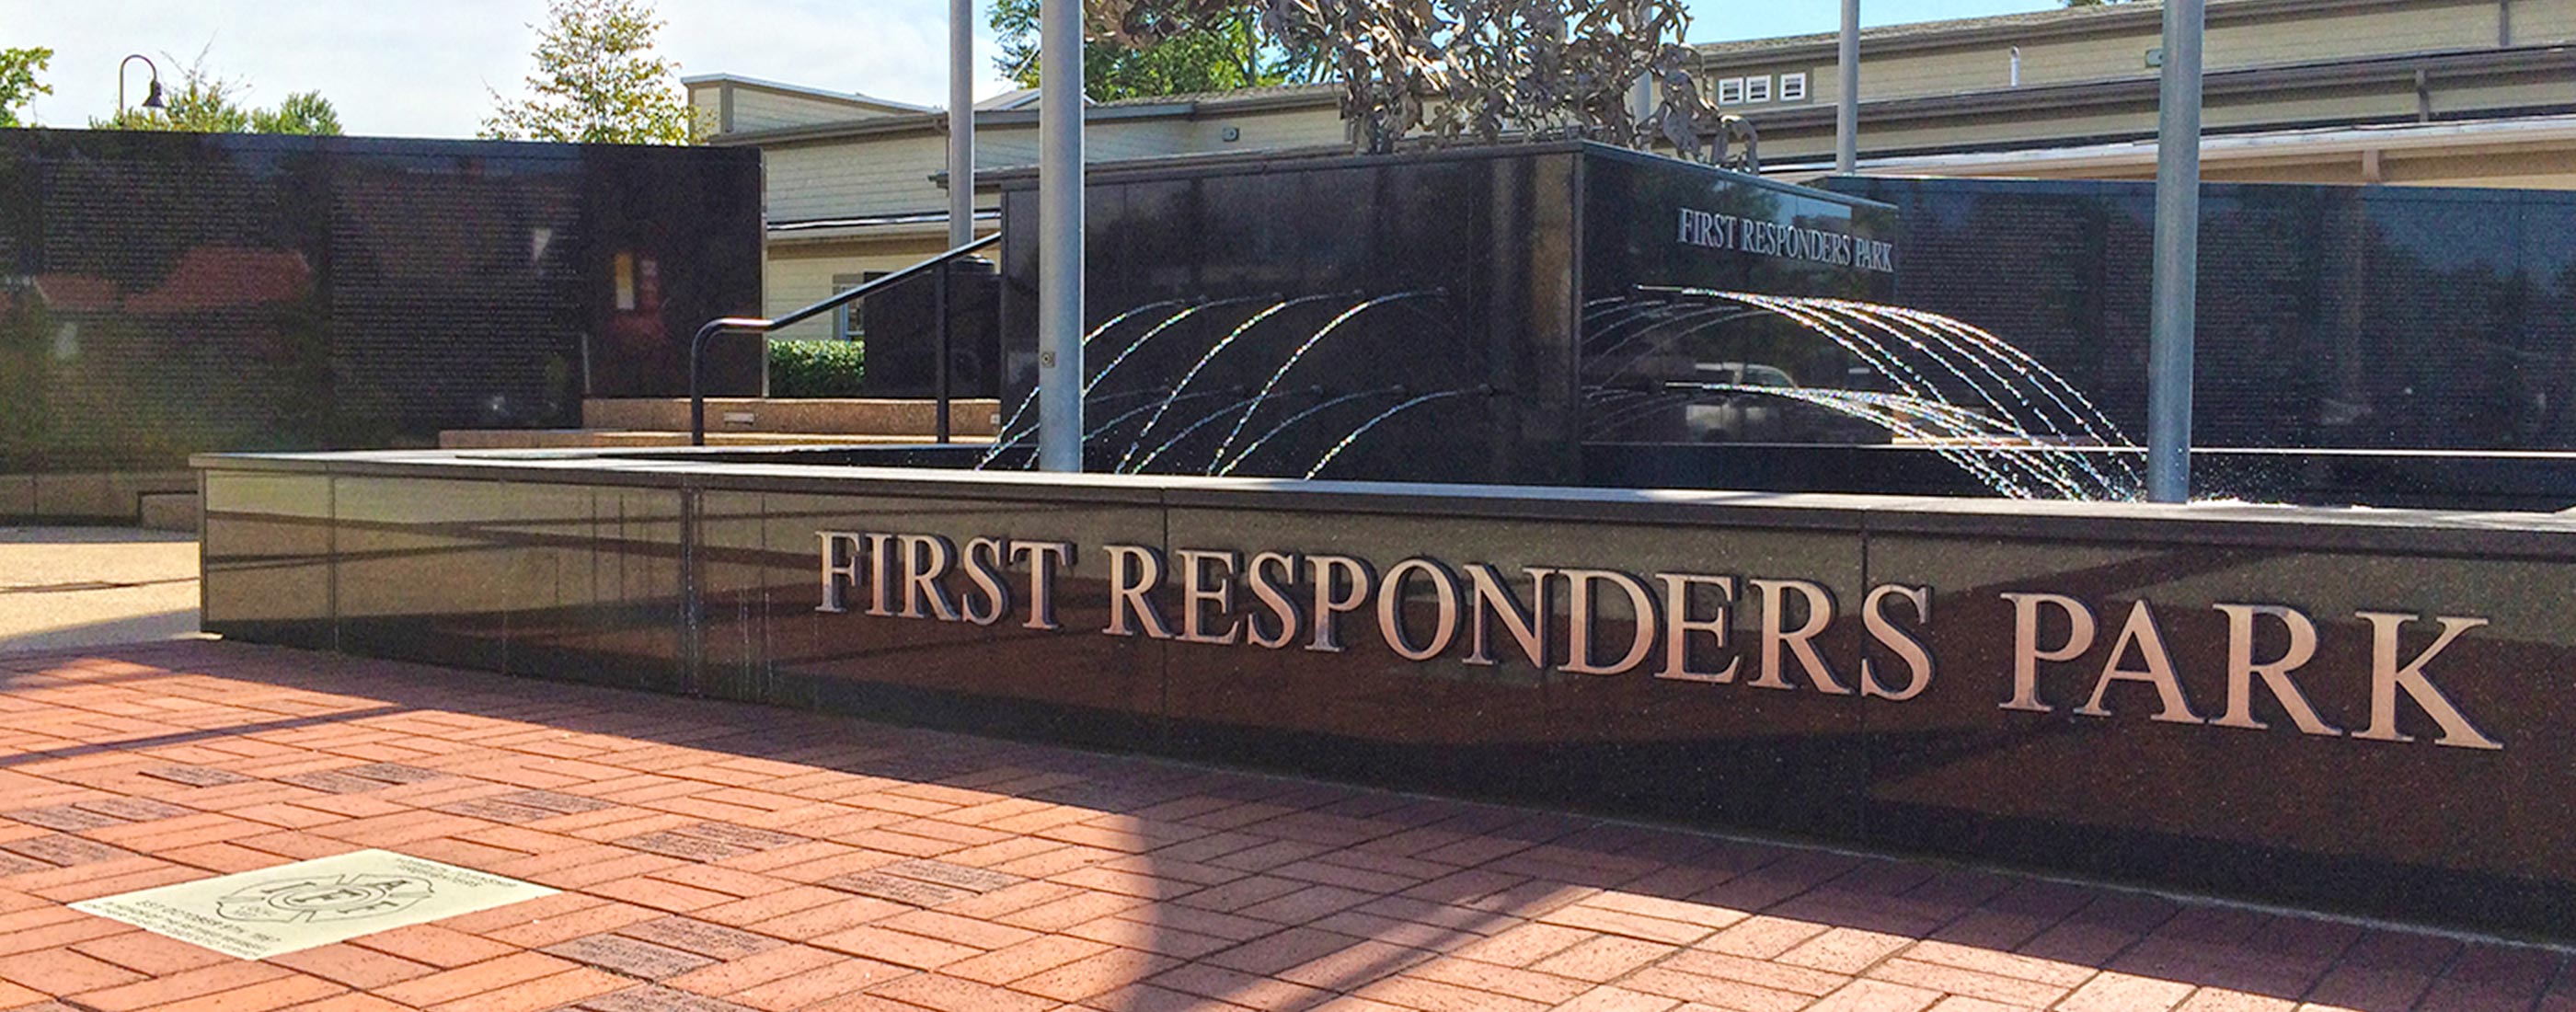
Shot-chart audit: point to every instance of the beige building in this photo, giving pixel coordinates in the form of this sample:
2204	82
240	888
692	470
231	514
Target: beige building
2424	92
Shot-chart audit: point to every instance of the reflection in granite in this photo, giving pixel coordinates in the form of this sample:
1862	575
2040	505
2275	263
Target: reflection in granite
1866	688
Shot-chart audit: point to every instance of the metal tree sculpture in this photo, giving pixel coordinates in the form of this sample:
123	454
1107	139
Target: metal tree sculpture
1480	69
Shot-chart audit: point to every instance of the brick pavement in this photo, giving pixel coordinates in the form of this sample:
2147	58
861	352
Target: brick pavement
715	858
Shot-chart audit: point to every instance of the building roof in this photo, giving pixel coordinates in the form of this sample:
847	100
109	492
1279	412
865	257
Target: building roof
801	91
1923	34
2077	18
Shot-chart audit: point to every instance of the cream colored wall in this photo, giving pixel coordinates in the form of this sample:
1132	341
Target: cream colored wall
2538	22
761	109
2121	53
891	173
796	275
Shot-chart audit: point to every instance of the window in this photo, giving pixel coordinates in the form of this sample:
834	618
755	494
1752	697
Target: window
1757	89
622	267
1793	87
845	317
1730	91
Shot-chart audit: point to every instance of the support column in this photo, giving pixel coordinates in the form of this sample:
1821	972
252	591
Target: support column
1060	235
961	122
2177	264
1847	104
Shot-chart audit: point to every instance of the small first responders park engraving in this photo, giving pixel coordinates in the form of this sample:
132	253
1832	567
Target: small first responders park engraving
293	907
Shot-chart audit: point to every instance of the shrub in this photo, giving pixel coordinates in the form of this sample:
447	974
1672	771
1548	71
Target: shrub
816	368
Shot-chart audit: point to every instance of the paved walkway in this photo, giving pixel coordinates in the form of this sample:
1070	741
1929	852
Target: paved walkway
715	857
63	587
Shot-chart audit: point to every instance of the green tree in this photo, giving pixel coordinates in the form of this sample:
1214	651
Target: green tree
208	103
18	84
597	81
304	112
1222	55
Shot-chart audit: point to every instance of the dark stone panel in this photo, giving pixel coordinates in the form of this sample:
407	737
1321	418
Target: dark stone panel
2169	792
1413	317
552	580
266	558
2388	803
1068	684
2329	316
171	293
1726	754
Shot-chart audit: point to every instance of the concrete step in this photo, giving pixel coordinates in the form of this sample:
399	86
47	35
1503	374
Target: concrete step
170	511
87	497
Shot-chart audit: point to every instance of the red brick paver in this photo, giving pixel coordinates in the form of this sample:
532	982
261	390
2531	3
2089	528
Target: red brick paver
725	858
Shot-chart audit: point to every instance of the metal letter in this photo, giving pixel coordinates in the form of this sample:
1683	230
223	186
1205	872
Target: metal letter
1489	595
2026	651
2140	629
1391	601
1579	618
1775	634
880	573
848	570
1257	575
1331	571
2242	669
920	581
1134	571
1045	559
2386	677
1917	657
1196	594
1678	625
984	565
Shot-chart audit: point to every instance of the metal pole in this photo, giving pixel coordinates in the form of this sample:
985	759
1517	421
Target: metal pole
1847	104
961	122
2177	264
1060	235
939	379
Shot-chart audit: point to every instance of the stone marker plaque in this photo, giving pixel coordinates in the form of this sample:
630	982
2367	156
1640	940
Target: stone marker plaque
293	907
889	887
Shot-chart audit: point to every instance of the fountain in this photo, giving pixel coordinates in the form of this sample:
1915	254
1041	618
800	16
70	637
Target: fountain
1532	473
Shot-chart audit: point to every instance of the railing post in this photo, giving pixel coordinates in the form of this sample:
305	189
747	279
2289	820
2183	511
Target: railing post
698	392
939	375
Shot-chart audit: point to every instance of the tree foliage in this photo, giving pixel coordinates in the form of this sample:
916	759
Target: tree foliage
1220	53
208	103
1460	68
18	84
598	80
304	112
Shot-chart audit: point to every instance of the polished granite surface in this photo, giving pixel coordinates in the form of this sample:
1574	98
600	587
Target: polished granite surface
2350	708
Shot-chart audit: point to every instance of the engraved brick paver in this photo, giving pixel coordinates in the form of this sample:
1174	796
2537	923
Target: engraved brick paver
725	858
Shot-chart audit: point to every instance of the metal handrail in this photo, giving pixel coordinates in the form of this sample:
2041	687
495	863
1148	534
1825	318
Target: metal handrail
757	325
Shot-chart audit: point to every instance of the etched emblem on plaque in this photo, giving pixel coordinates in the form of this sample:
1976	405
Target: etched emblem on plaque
324	898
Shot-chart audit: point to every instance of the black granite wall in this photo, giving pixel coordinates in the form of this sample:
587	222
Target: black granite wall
2329	316
1851	670
168	293
1488	268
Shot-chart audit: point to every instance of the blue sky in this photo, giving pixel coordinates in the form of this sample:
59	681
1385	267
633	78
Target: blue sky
421	69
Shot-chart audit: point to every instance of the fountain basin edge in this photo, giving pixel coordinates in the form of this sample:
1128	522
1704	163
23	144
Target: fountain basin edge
2427	781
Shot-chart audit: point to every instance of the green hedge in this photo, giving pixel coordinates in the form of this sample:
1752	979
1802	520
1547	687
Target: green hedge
816	368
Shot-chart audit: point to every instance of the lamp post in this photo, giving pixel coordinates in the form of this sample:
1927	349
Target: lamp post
152	98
